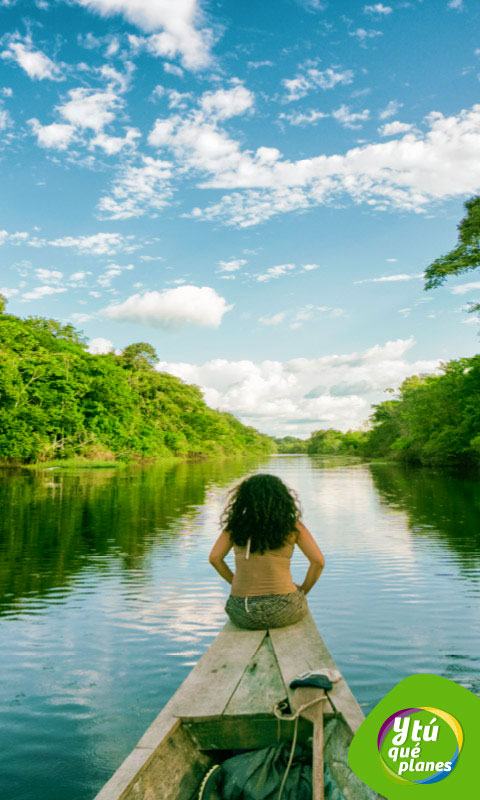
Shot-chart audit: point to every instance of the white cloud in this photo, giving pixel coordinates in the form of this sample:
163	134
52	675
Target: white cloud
394	128
392	108
97	244
107	277
117	81
90	109
350	119
113	271
114	144
8	292
275	272
307	118
79	317
231	266
16	239
313	5
137	190
36	64
310	267
56	136
312	78
178	20
409	173
178	100
457	5
258	64
77	277
303	315
285	397
226	103
173	69
276	319
309	311
362	35
52	275
42	291
5	119
172	309
466	287
378	9
199	142
253	207
393	278
100	346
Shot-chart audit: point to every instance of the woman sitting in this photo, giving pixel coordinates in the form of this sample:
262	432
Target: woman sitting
262	523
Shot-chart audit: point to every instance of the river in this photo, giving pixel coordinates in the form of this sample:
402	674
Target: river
108	600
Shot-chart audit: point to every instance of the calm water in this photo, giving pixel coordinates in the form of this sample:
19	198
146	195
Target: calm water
107	599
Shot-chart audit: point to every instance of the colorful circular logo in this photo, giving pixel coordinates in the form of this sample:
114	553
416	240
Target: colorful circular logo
419	745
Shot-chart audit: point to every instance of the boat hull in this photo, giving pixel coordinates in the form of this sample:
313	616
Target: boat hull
226	703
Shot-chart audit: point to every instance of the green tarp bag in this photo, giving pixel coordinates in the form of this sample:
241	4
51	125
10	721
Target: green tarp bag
258	774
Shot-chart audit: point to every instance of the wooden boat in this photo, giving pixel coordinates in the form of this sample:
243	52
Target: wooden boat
226	704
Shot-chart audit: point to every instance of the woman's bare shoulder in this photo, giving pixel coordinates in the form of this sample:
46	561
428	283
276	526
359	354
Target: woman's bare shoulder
299	528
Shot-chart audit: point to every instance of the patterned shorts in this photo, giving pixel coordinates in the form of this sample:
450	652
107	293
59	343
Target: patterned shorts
267	611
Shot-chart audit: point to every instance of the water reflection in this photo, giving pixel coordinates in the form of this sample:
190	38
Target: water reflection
445	507
54	523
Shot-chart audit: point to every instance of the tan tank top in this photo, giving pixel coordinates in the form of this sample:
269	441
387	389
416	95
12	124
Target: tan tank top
263	574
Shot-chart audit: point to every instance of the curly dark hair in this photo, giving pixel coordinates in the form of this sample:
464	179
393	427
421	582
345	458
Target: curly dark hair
261	508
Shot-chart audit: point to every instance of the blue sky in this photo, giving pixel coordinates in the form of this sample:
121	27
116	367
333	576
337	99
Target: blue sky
254	189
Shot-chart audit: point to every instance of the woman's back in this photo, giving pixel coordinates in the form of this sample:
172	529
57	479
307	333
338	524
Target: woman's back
259	574
262	523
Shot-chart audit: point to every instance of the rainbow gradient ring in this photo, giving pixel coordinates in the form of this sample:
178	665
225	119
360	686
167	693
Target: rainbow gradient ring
451	721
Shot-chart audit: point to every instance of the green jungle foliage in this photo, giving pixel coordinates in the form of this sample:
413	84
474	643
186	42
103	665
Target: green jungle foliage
435	419
290	444
57	400
325	442
465	256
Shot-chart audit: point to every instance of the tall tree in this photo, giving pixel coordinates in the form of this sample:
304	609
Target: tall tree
465	256
140	356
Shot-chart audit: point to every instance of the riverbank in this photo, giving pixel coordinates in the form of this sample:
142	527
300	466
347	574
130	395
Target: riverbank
89	463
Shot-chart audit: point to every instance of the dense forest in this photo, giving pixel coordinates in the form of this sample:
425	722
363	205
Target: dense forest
59	401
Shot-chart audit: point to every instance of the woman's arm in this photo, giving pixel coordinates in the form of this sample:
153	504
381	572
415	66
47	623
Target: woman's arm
219	550
311	550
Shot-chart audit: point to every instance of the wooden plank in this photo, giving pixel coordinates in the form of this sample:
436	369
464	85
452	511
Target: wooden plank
174	772
314	700
299	648
211	683
125	774
245	732
261	685
337	738
317	776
